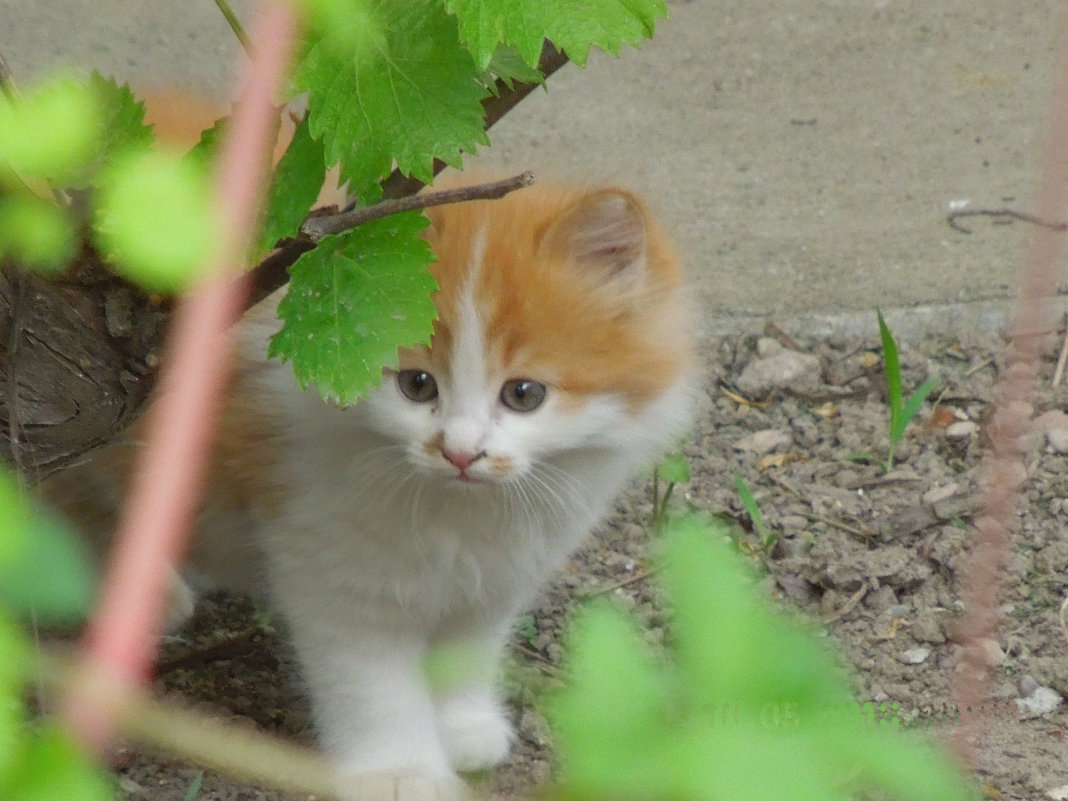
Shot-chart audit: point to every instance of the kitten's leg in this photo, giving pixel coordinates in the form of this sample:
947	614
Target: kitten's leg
472	719
374	710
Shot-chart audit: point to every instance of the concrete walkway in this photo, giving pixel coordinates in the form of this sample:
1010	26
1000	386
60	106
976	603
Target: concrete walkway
805	154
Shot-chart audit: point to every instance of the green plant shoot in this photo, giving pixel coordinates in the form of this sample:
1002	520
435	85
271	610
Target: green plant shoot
753	509
744	705
901	414
674	469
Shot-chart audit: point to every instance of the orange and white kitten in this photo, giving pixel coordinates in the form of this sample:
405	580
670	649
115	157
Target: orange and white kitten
429	514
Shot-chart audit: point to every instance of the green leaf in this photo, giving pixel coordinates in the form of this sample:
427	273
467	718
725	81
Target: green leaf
52	768
912	406
572	25
51	132
751	506
44	566
123	126
294	188
413	98
892	369
508	65
36	234
156	219
349	28
674	469
352	302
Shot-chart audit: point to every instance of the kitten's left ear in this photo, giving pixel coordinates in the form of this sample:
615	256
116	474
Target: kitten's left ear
604	232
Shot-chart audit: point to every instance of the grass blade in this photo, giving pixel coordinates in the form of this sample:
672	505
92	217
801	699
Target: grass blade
912	406
892	369
750	504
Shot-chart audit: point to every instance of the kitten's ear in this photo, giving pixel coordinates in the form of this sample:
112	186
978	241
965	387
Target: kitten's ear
603	232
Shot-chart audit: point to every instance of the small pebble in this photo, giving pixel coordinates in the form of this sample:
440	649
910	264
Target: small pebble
962	429
761	442
992	653
927	628
1058	793
1041	702
936	494
914	656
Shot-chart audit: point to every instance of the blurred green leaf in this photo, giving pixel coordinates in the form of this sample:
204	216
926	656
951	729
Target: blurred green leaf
352	302
674	468
156	218
745	703
52	768
52	131
36	234
45	569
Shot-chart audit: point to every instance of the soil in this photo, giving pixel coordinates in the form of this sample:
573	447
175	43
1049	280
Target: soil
874	558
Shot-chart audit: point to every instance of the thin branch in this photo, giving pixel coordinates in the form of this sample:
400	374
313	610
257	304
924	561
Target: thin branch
998	515
120	640
235	25
7	80
1003	215
315	228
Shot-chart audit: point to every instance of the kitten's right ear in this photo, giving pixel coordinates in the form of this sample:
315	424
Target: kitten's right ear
604	232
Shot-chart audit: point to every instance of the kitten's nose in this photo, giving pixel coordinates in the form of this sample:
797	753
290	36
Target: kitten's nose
461	460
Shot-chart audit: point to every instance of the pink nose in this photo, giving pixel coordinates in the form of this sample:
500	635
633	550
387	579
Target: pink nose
461	460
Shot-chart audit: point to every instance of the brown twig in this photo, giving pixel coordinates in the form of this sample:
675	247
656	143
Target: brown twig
1004	215
997	518
849	605
315	228
7	80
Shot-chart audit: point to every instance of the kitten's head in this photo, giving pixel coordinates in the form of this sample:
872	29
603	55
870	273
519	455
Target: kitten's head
560	330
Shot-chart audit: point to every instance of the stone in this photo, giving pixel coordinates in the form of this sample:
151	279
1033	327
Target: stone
1041	702
926	627
786	369
914	656
962	429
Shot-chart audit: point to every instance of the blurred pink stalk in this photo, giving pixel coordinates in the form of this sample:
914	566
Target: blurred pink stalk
155	523
1004	468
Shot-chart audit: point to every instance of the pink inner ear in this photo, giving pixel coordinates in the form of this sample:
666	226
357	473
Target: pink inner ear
603	231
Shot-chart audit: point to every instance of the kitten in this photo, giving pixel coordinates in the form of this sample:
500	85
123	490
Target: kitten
428	515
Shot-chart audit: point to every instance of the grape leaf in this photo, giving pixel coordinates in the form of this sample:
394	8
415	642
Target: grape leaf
123	127
295	186
508	65
572	25
413	97
352	302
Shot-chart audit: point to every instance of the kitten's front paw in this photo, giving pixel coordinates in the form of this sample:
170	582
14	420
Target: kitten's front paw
476	733
403	786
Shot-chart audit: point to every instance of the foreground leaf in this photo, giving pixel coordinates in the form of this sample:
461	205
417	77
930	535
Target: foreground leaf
156	219
44	567
352	302
51	132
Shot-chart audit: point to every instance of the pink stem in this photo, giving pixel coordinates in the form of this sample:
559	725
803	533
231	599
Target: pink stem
155	523
1004	466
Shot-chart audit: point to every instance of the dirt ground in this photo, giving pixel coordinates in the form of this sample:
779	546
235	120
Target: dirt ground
873	558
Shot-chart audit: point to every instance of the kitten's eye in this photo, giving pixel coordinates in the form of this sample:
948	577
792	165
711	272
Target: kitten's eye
522	394
417	385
